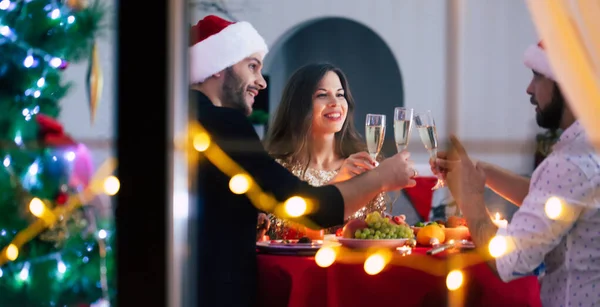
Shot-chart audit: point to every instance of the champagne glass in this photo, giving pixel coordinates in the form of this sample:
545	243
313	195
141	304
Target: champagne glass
427	132
402	128
375	133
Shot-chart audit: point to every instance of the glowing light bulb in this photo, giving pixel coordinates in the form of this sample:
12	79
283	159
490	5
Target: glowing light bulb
325	256
71	19
12	252
18	139
239	184
5	30
295	206
553	207
36	206
33	168
62	268
55	14
454	280
498	246
102	234
70	156
4	5
41	81
55	62
28	62
374	264
201	141
111	185
24	274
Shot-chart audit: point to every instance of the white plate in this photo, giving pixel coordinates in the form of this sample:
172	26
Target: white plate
366	243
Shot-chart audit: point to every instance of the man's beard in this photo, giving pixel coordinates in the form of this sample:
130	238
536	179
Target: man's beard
551	116
234	92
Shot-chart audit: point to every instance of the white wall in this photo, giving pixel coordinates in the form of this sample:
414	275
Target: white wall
492	104
494	108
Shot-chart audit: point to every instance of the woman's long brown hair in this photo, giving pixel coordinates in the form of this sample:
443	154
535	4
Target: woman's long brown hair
289	133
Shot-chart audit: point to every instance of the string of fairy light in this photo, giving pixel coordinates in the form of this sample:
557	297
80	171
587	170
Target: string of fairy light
241	182
374	260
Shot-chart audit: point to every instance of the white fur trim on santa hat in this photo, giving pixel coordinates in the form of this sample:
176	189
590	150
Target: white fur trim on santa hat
536	59
226	48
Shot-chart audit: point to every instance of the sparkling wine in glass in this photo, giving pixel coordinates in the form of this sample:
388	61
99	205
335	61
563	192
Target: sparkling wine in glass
427	132
375	133
402	127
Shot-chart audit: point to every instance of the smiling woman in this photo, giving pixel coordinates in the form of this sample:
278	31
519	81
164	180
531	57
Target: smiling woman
314	136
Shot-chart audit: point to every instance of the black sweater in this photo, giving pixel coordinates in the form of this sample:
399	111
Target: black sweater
227	222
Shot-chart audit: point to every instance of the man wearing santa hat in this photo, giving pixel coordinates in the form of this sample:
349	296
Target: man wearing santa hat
226	60
558	222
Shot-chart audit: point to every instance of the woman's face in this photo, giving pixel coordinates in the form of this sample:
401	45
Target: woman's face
329	105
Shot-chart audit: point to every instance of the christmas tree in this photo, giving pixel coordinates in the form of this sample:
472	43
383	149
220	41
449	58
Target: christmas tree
54	249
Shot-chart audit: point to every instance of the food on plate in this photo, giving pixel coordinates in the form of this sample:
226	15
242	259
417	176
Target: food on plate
432	231
376	227
305	240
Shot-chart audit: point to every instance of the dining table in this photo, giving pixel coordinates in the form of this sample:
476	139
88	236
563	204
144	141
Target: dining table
415	279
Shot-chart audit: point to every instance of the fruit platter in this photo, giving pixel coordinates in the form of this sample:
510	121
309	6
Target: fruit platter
438	232
376	231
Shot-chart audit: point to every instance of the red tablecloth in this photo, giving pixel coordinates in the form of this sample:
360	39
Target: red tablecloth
297	281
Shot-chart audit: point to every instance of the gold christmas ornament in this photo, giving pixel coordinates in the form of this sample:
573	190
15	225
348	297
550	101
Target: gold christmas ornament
94	82
77	5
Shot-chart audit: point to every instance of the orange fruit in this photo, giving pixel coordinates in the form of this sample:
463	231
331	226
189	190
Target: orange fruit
429	232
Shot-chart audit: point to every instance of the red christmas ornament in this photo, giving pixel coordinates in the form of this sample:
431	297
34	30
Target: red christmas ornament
51	132
61	198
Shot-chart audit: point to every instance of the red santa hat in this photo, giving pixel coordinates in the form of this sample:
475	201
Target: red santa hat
217	44
537	59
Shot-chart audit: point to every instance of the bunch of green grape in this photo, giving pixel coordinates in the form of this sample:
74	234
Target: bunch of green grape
382	228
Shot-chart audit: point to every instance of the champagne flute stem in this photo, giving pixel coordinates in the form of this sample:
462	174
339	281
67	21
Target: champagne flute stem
433	155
